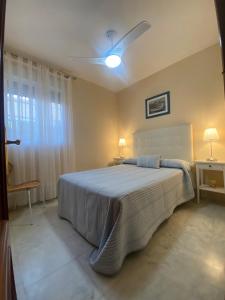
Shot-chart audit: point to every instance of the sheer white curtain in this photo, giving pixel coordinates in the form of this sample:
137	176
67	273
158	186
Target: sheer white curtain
38	111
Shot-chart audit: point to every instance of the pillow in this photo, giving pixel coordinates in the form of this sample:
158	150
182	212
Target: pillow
149	161
175	163
130	161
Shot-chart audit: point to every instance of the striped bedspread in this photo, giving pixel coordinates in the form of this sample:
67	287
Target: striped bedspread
117	209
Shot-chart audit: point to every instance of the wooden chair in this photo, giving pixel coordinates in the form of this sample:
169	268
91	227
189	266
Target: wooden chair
25	186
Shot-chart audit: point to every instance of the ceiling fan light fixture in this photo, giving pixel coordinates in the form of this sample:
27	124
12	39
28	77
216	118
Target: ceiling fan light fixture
113	61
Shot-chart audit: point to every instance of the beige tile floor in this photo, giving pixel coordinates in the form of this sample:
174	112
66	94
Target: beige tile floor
184	259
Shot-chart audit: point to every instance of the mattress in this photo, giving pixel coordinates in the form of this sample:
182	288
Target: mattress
117	209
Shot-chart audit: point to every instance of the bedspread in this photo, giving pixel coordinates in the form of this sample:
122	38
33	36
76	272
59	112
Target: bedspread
117	209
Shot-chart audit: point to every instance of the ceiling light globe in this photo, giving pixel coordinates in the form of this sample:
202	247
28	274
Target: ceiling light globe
112	61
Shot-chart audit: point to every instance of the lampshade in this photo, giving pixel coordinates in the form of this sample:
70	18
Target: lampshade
122	142
211	135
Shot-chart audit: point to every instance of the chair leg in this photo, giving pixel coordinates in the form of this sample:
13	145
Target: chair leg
30	207
43	202
15	203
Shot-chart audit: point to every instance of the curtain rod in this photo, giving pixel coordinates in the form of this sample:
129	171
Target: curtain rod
36	62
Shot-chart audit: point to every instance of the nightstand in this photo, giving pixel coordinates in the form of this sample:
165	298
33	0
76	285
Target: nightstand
208	165
118	160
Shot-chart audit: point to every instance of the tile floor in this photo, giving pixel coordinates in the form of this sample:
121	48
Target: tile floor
184	260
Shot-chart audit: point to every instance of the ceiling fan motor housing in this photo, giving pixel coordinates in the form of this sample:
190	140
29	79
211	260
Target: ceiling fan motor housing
110	34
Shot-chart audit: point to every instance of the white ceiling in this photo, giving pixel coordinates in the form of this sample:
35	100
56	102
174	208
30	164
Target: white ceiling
53	30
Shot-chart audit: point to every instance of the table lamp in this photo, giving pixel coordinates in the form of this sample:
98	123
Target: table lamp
122	144
210	136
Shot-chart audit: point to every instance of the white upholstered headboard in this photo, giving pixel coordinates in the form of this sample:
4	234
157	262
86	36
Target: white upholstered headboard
169	142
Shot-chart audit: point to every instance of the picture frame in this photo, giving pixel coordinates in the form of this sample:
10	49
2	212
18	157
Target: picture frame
158	105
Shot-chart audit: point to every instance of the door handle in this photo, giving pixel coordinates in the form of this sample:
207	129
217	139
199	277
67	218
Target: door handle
8	142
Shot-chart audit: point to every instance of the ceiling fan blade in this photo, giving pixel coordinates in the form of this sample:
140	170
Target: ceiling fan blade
130	37
89	60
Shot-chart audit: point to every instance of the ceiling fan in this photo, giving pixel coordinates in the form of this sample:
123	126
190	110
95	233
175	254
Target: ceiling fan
112	57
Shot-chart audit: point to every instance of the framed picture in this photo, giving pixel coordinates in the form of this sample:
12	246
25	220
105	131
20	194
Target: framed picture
158	105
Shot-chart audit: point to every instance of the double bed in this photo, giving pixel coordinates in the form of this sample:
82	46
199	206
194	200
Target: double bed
117	209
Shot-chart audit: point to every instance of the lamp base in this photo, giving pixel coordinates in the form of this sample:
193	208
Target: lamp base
211	159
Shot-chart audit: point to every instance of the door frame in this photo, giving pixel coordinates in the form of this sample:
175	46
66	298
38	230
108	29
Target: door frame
3	180
220	11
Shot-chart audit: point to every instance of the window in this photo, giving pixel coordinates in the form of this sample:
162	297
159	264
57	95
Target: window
38	103
23	113
21	109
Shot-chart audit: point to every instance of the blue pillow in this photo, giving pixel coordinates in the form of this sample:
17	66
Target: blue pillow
149	161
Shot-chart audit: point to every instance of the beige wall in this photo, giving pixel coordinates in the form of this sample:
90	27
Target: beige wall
95	116
196	88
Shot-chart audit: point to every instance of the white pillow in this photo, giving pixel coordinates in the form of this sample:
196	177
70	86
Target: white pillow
130	161
175	163
149	161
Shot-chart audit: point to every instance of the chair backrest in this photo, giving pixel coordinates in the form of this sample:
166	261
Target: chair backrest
9	168
6	155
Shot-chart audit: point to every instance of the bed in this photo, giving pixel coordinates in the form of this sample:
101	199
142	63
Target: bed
117	209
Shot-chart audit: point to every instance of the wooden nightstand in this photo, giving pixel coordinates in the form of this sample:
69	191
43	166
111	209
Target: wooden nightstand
208	165
118	160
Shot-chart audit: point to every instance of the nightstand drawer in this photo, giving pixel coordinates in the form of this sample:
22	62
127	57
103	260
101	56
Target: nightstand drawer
211	166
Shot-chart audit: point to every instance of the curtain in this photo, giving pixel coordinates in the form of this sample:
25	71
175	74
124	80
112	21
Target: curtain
38	111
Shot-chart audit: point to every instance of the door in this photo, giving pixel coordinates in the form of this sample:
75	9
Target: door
7	283
220	10
3	187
